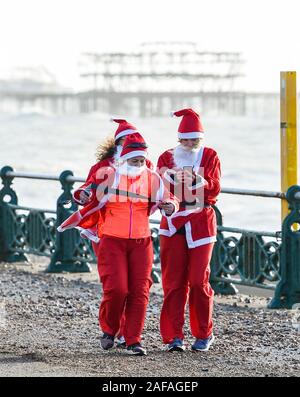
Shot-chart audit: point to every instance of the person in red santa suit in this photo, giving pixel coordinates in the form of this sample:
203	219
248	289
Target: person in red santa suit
126	195
108	153
192	171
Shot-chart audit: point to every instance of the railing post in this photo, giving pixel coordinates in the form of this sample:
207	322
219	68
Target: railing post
287	291
224	288
156	250
8	234
64	257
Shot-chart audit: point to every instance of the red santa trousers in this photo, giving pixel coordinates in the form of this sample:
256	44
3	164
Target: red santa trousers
96	247
185	276
124	267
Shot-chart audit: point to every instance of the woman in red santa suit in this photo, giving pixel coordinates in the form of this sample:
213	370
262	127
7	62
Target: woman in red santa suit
192	171
126	195
108	153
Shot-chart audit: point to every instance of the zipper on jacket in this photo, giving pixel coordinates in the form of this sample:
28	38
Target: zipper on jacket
130	220
130	212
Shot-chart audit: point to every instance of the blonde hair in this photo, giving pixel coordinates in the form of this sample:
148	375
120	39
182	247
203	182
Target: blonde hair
106	149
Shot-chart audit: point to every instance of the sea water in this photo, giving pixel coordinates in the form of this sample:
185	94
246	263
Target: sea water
248	147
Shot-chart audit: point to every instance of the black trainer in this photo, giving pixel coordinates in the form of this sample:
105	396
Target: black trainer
107	341
136	350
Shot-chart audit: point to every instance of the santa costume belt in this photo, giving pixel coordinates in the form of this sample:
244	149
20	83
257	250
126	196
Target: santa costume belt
193	203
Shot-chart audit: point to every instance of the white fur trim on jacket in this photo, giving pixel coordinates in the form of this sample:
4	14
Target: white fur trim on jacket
168	178
160	196
188	235
101	204
85	233
78	217
172	229
196	243
78	201
202	182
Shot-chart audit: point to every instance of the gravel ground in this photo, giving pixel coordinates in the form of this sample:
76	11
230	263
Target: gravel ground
49	327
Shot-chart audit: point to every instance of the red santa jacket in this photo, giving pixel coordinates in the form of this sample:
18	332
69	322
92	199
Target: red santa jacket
92	224
199	222
91	175
149	184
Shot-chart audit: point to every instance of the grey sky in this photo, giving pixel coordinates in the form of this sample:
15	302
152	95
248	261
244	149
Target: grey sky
54	32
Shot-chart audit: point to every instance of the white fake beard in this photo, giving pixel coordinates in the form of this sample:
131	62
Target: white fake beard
185	157
118	152
130	170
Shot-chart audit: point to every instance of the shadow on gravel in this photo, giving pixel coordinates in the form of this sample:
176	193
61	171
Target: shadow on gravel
7	358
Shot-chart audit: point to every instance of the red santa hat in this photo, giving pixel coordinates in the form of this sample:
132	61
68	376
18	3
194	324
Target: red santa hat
124	128
190	126
133	146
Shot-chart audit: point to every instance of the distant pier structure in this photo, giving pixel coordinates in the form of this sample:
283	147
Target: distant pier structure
49	102
151	81
161	76
29	89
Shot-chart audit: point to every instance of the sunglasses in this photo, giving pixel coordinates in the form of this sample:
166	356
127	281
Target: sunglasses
136	145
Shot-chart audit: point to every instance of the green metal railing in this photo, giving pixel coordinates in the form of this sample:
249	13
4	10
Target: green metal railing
26	230
255	258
